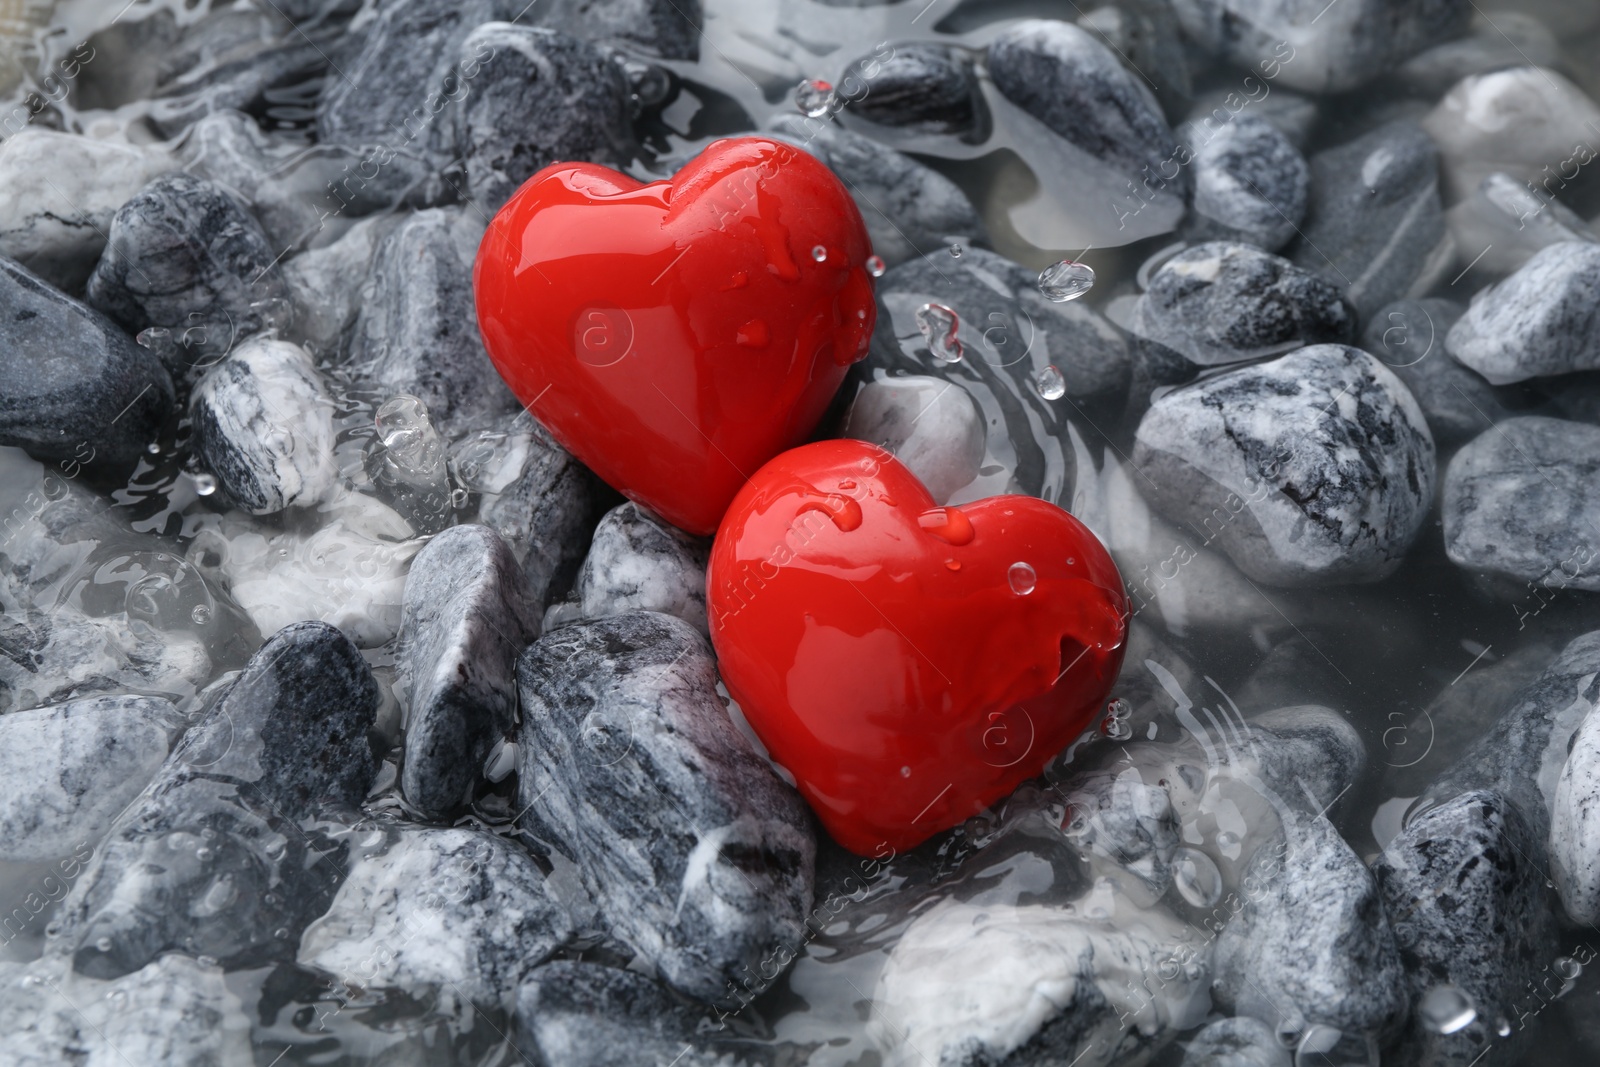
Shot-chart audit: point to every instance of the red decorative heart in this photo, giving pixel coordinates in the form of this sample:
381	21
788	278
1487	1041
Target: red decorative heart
909	664
677	335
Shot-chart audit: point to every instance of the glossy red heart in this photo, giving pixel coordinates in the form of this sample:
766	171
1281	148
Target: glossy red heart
908	664
677	335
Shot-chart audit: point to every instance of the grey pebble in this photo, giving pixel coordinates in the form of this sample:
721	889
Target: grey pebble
1538	321
932	426
63	654
1464	890
1517	502
73	387
219	853
263	424
326	284
636	562
909	208
68	770
185	256
418	335
1293	114
1374	225
456	908
1221	302
1508	38
668	29
929	88
697	856
1313	469
1575	826
545	97
1408	337
1239	1041
466	616
1250	182
1505	223
1311	944
1146	36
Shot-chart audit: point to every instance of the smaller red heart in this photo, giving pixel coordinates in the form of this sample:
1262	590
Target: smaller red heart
909	664
677	335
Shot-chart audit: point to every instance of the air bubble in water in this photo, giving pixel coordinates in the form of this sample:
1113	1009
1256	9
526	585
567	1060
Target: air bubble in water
1196	877
1050	383
938	326
205	484
955	251
153	448
1444	1009
814	97
200	615
103	945
820	254
876	266
1066	280
1022	578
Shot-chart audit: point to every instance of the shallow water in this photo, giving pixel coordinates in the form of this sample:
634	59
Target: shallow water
1387	649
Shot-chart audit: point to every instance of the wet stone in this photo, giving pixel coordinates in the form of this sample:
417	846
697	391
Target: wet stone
1119	817
636	562
544	97
74	389
1374	225
419	332
1222	303
1291	113
263	424
1463	887
47	658
1337	50
458	908
924	87
908	207
1517	501
668	29
1239	1041
1505	223
1539	321
185	256
932	426
697	856
68	770
1146	36
1250	182
1508	38
1313	469
56	225
1575	826
221	851
1311	944
467	615
326	284
1408	337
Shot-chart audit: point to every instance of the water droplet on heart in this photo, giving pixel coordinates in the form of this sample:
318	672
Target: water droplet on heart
739	280
1049	383
205	484
1066	280
1071	561
955	251
1196	877
1444	1009
847	485
814	97
952	564
949	525
753	334
905	772
938	326
1022	578
840	510
820	254
876	266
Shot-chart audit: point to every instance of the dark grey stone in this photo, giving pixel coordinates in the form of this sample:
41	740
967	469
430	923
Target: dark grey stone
1239	1041
546	97
73	387
68	770
910	209
1221	303
185	256
668	29
1121	818
395	90
1009	332
930	88
1293	114
1333	50
545	514
1408	336
467	616
419	332
1518	501
1313	469
575	1014
697	856
1507	39
636	562
456	908
219	856
1374	226
1311	943
1541	320
263	424
1064	77
1250	182
1146	36
1463	886
1522	756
